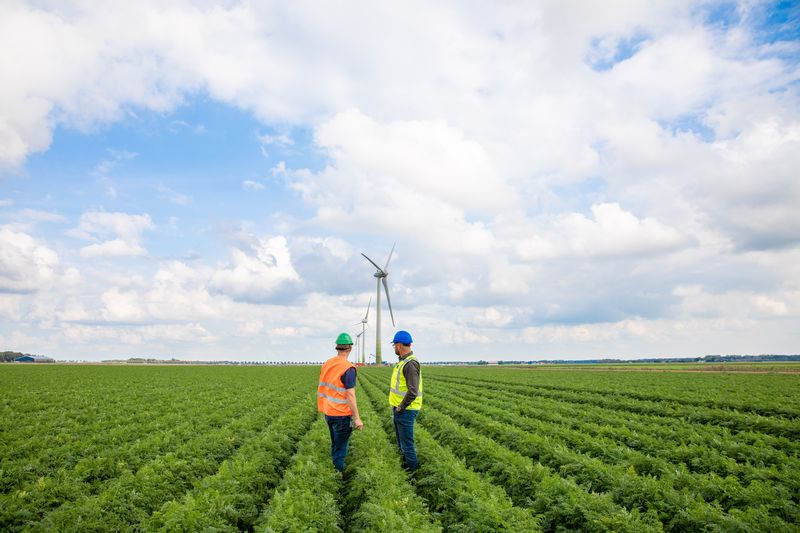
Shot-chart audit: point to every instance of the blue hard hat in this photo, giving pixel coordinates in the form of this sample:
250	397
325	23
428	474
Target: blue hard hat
402	336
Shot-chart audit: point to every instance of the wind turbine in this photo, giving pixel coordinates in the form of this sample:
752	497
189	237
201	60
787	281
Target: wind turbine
362	358
381	274
359	348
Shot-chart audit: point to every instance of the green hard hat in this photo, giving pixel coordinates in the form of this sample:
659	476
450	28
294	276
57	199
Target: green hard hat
344	338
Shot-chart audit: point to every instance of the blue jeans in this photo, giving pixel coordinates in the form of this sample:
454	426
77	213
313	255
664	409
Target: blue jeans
404	430
340	429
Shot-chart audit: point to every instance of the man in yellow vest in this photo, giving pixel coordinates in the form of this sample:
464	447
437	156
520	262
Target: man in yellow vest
405	397
336	397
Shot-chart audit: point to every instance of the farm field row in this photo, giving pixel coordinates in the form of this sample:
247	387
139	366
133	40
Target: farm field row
101	448
765	367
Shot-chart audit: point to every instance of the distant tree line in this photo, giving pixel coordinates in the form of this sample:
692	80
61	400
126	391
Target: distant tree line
703	359
173	361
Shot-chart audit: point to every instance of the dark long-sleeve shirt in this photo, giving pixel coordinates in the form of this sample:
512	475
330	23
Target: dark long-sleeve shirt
411	373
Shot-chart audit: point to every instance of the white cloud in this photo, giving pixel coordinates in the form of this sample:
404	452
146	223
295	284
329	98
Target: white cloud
251	327
173	196
463	336
175	293
426	157
19	341
11	306
340	249
769	306
97	226
180	292
696	301
612	232
417	180
250	185
122	306
494	317
25	265
460	287
72	311
102	172
32	216
287	332
145	337
282	141
256	274
113	248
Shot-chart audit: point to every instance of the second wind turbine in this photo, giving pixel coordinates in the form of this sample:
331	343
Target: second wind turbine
381	274
362	354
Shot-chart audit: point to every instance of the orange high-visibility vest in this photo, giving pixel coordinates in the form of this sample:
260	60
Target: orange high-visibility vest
330	391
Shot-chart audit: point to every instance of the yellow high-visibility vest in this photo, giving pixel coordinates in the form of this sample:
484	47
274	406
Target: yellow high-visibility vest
398	386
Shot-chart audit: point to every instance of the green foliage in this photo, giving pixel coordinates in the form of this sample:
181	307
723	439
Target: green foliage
231	498
559	502
109	445
306	498
461	499
377	495
115	448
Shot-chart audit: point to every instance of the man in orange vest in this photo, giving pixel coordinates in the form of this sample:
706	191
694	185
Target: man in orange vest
336	397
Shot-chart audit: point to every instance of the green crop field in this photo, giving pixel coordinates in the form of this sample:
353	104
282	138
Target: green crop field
215	448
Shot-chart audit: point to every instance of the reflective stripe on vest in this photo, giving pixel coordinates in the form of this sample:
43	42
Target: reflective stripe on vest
331	392
398	386
334	387
330	398
403	393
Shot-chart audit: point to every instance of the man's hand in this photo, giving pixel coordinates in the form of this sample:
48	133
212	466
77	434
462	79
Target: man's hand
359	424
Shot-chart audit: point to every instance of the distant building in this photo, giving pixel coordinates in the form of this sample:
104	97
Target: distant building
34	359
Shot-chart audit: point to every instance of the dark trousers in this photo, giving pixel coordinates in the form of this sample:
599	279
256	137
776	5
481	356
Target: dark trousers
339	427
404	430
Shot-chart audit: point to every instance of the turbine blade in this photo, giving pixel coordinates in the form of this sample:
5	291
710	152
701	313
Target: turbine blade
388	300
356	324
373	262
385	269
366	317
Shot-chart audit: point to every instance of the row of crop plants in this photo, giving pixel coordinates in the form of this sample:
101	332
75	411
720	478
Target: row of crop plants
138	479
768	406
132	498
232	498
73	420
372	495
786	428
767	395
654	453
558	503
378	495
683	438
459	498
306	496
681	500
95	466
60	432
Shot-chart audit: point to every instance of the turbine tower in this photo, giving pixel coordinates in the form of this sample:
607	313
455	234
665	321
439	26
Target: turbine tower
381	274
362	355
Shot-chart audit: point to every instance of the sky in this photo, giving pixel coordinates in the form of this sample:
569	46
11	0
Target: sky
562	179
